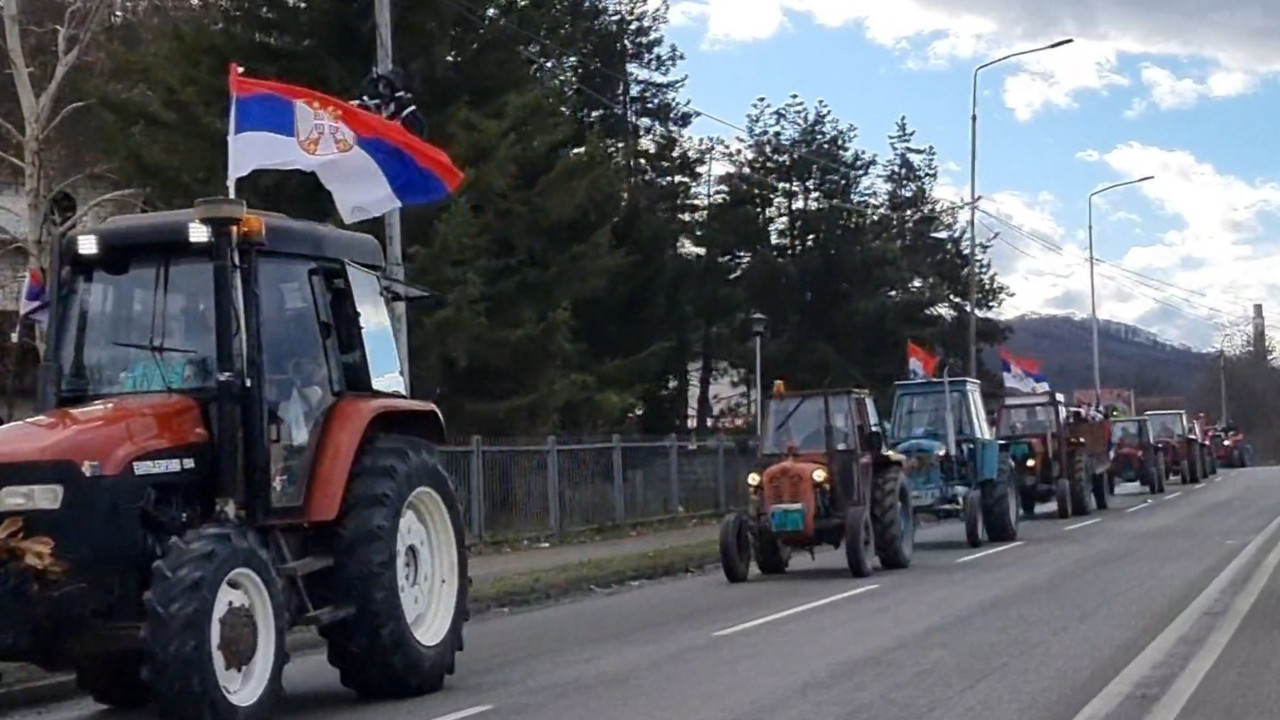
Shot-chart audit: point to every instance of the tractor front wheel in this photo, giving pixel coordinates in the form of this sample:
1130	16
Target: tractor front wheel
1062	494
114	680
401	565
859	541
974	532
1000	510
893	519
772	557
214	636
735	547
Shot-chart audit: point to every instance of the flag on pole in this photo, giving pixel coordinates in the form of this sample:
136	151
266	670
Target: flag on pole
33	301
371	165
1022	374
921	363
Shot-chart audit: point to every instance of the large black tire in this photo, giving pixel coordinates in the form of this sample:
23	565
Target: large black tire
114	680
859	541
1000	510
771	557
1027	497
974	532
1100	491
180	607
893	519
735	547
1184	472
1162	474
375	650
1081	492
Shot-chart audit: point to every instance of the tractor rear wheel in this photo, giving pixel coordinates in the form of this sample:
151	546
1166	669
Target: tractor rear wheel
215	627
859	541
893	518
1062	493
401	564
1081	493
1100	491
735	547
114	680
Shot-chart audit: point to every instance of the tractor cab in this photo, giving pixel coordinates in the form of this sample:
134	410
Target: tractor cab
226	451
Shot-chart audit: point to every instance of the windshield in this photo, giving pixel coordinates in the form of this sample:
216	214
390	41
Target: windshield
1128	432
1167	426
798	421
142	327
1025	420
923	415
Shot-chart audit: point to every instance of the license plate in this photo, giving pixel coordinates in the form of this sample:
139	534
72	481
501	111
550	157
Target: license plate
787	519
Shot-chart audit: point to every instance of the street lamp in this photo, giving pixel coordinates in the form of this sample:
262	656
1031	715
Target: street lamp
973	197
1093	295
759	323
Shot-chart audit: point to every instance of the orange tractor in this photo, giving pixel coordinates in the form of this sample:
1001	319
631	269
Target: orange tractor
825	479
226	451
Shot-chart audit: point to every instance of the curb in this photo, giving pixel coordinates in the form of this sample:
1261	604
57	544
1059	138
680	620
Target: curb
62	687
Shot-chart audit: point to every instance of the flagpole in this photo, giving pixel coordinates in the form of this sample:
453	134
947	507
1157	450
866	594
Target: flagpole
231	131
395	250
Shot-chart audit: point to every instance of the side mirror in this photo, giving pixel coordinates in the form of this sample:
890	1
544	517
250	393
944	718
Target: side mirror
875	441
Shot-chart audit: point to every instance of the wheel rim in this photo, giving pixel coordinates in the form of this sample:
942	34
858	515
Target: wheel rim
242	632
427	566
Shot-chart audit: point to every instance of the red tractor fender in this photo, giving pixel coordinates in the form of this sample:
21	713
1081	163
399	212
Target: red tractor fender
347	423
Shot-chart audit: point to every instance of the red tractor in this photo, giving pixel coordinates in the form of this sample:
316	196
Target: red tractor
1178	443
226	451
1135	457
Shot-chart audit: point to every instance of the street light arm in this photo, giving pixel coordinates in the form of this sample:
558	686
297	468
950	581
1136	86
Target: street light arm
1020	53
1113	186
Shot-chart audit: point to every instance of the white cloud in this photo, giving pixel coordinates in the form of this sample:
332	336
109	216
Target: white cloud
1236	37
1170	92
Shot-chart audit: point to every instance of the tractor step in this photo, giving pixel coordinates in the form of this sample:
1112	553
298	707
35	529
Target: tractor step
326	616
305	566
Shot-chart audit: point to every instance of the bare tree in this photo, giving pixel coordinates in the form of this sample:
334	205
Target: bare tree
43	111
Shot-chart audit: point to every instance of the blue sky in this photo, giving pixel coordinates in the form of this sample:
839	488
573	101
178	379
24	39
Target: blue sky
1148	88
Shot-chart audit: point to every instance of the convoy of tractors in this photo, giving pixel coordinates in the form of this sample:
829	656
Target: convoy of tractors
832	473
226	451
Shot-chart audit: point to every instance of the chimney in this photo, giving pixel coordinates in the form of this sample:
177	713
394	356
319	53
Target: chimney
1259	333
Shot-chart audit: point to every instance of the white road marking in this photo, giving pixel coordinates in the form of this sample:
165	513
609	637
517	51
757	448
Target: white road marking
1124	684
466	713
984	553
1174	495
1082	524
792	611
1200	487
1183	687
1136	508
1217	479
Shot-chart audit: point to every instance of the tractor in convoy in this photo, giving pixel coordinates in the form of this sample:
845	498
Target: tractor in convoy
957	468
1177	441
1229	446
226	451
1057	454
1209	459
824	479
1135	457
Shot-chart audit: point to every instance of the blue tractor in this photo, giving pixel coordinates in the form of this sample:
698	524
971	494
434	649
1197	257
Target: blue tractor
956	468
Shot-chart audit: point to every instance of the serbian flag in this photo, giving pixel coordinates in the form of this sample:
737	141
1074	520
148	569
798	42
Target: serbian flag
921	363
33	300
370	165
1022	374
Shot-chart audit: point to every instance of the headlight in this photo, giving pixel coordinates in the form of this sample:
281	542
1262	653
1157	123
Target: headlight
819	475
24	498
1031	462
753	479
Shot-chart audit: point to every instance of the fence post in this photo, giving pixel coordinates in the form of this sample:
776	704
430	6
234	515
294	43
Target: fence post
553	483
476	491
673	471
619	497
722	489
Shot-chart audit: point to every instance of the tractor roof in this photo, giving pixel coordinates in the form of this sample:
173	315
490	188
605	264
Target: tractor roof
1033	399
933	385
282	234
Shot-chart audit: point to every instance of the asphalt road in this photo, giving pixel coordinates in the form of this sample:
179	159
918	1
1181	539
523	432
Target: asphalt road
1125	615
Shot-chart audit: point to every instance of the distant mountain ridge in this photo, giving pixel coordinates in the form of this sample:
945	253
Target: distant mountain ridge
1130	357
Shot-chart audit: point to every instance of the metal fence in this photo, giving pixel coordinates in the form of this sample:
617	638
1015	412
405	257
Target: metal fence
518	488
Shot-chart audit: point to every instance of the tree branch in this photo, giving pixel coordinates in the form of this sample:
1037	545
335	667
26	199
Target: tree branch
96	170
6	157
117	196
62	115
10	13
10	130
69	51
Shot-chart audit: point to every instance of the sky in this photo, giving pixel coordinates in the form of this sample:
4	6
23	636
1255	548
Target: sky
1182	90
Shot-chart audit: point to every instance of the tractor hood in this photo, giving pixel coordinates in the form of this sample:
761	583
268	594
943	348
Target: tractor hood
109	432
921	446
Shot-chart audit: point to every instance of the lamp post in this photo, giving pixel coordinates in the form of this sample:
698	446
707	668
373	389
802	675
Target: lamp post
973	197
1093	295
759	323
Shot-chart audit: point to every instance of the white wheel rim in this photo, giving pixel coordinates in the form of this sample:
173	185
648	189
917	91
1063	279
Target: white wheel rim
243	683
427	566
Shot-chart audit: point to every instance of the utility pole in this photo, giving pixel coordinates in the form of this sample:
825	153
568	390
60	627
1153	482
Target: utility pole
1222	383
395	251
1259	335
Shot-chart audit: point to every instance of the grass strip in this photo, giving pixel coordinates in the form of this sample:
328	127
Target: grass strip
537	586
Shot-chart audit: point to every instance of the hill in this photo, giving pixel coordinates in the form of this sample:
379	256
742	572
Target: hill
1130	356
